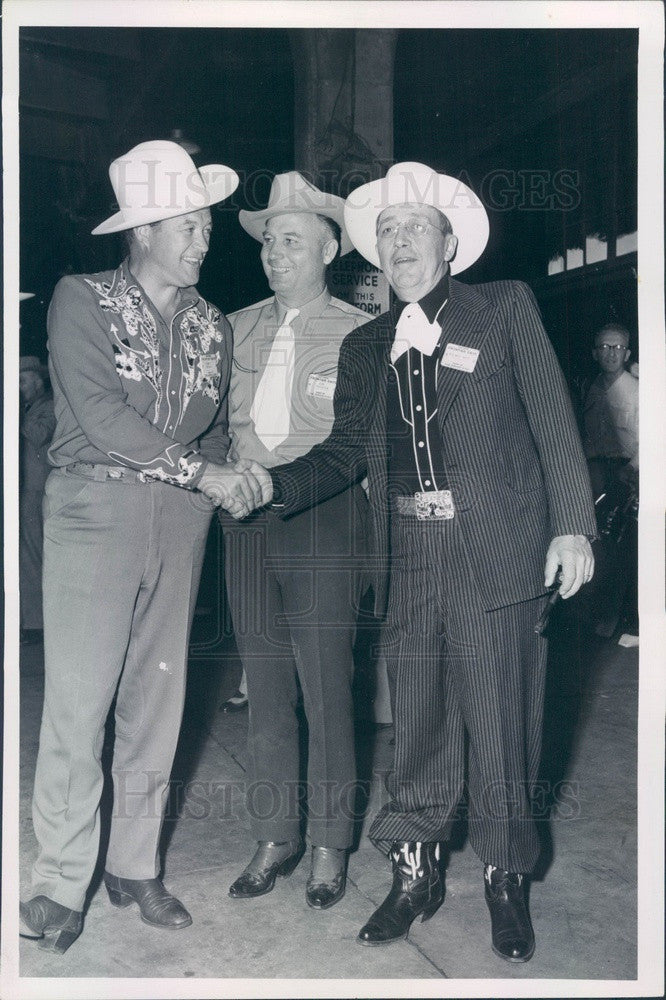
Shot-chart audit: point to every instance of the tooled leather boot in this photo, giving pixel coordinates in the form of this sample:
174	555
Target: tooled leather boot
418	890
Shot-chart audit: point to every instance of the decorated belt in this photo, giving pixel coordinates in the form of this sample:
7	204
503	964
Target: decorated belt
435	505
102	472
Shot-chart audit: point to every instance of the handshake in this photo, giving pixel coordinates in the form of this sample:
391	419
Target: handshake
239	488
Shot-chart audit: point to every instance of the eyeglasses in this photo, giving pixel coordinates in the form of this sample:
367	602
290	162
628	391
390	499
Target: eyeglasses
610	347
415	227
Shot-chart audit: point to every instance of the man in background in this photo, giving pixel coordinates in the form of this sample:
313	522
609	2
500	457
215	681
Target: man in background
36	427
610	415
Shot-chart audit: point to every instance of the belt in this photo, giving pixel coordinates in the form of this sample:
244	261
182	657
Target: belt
103	472
435	505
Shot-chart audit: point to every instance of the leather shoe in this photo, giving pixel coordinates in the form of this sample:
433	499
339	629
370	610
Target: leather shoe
417	890
55	927
270	860
512	934
158	907
327	880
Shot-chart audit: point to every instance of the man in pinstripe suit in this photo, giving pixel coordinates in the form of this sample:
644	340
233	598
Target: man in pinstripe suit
454	405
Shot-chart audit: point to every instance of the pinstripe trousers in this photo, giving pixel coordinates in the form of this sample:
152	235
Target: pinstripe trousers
456	671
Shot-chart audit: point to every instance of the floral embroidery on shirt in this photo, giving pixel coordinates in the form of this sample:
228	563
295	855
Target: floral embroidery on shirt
188	470
199	334
131	362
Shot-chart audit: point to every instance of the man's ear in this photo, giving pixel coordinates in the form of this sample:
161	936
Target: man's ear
451	246
142	234
329	251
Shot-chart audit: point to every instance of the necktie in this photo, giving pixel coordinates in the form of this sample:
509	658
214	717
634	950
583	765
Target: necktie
271	407
414	330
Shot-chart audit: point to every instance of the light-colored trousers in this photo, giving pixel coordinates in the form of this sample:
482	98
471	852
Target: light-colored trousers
122	561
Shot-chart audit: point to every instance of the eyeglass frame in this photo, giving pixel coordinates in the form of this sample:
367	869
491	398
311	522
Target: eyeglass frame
409	225
611	347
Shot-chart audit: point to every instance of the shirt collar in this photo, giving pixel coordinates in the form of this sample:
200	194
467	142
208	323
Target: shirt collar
188	296
432	301
307	311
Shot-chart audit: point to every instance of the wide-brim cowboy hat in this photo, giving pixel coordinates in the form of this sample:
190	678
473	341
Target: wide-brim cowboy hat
291	193
159	180
415	183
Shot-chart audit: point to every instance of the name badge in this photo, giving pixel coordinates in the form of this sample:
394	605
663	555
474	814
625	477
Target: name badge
463	359
322	386
208	366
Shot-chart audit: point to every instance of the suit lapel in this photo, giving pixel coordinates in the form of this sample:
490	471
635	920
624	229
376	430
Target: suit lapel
377	450
466	321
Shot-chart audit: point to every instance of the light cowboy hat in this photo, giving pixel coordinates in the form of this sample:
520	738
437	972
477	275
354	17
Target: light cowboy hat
158	180
415	183
291	193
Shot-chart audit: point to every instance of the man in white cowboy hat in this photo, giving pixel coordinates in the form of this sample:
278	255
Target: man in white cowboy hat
294	586
454	405
36	426
139	366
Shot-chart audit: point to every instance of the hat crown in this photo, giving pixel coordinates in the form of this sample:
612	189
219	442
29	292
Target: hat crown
292	190
157	176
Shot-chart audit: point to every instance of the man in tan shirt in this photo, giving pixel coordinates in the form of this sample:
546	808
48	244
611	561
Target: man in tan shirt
294	586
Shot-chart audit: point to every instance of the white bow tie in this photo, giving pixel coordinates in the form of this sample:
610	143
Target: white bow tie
413	329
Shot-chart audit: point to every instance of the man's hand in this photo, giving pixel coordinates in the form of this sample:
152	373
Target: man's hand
573	553
239	488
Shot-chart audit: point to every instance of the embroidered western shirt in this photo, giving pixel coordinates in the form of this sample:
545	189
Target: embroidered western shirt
415	462
130	389
319	330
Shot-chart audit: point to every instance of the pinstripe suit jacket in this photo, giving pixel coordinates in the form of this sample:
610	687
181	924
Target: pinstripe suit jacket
510	444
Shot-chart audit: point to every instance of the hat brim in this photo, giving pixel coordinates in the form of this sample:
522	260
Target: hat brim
464	210
218	189
332	207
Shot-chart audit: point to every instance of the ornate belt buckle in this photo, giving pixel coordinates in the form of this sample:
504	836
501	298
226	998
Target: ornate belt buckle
434	504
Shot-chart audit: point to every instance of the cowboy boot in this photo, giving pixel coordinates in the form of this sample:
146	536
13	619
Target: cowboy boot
327	880
512	934
417	890
270	860
55	927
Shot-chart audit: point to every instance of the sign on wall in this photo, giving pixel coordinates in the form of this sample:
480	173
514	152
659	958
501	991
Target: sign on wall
360	283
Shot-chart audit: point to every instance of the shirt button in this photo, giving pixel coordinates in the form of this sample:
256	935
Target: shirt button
174	355
170	427
421	444
173	392
427	482
416	371
419	407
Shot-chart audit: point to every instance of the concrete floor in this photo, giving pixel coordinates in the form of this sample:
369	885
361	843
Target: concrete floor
583	901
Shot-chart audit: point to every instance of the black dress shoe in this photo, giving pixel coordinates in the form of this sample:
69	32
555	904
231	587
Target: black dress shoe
327	880
158	907
512	934
54	926
270	860
417	890
237	703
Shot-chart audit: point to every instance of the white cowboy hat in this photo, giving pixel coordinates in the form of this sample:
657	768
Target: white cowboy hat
414	183
158	180
291	193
